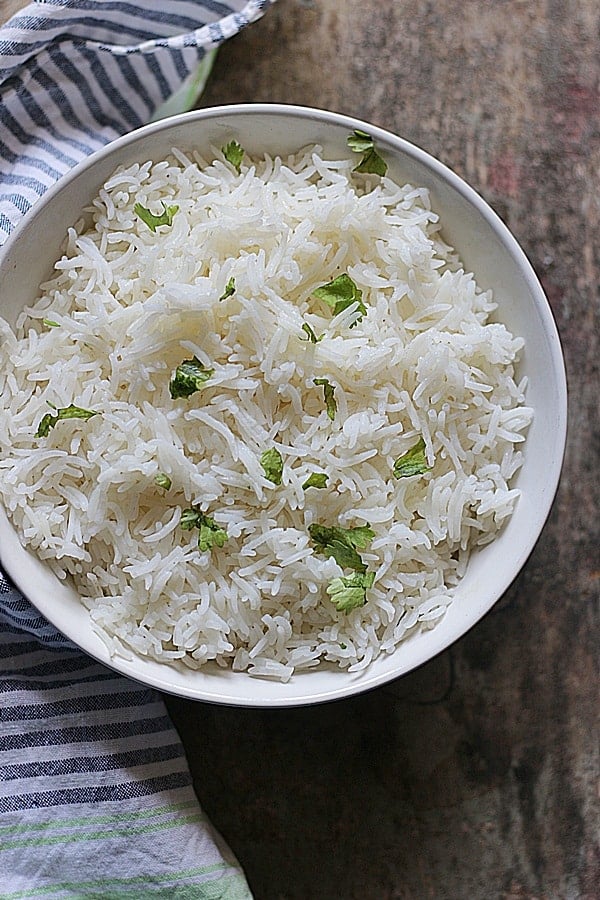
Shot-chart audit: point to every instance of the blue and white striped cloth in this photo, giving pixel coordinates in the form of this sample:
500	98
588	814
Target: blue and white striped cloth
96	798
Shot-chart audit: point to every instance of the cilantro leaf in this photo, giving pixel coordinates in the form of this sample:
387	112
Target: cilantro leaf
163	481
316	480
359	141
229	289
312	338
342	543
189	518
68	412
371	163
349	592
189	377
234	154
328	395
413	462
152	221
272	463
341	293
210	534
50	324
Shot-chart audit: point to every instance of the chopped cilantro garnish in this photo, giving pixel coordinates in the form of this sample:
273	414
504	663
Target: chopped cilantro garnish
68	412
342	543
234	154
312	338
328	395
229	289
272	463
350	591
163	481
341	293
413	462
359	141
371	162
210	534
152	221
190	376
189	518
50	324
316	480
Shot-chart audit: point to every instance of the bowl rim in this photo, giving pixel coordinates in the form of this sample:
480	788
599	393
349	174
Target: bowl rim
366	682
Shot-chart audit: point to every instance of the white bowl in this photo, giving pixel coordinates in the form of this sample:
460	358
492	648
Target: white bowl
485	246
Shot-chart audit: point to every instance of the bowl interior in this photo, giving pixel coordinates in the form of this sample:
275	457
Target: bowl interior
486	247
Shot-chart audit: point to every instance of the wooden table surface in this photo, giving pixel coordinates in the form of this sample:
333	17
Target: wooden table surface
475	777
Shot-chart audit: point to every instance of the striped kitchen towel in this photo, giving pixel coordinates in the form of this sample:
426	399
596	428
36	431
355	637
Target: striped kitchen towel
96	798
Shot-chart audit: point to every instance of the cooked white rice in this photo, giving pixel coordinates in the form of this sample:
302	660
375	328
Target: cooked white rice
132	304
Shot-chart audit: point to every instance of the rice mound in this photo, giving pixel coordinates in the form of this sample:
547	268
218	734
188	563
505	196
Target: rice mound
130	304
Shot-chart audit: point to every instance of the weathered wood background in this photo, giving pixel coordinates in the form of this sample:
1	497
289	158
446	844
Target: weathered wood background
475	777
